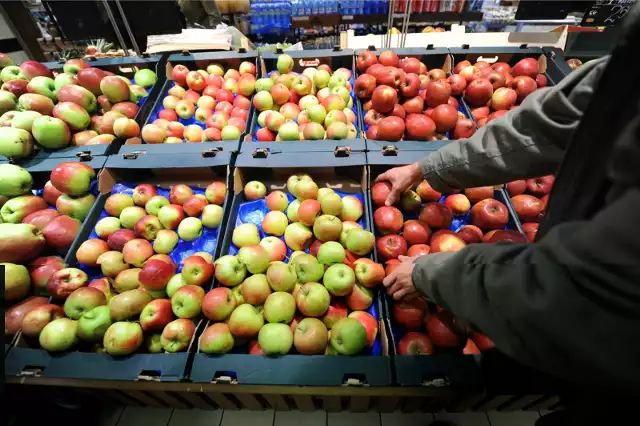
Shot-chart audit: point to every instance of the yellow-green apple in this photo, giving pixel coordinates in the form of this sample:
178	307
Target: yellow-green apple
155	274
275	223
73	66
126	128
72	178
275	247
294	180
348	336
174	284
157	294
20	242
153	343
245	321
36	319
321	79
190	229
104	285
127	280
245	234
229	271
177	91
284	63
264	84
335	102
230	133
50	193
22	120
65	281
156	315
196	271
41	269
130	216
336	311
34	69
360	298
145	77
255	190
289	131
310	336
147	227
281	276
327	227
94	323
369	323
112	263
166	240
116	203
351	208
369	274
90	250
115	89
312	131
337	130
171	215
298	236
246	85
237	293
14	316
51	132
216	339
307	268
15	143
280	307
256	289
360	242
275	339
185	109
255	258
212	216
247	67
17	282
16	209
75	207
313	299
331	204
306	189
128	304
137	251
153	134
331	253
42	85
339	279
263	101
75	117
218	304
170	102
216	192
292	210
123	338
137	93
155	203
59	335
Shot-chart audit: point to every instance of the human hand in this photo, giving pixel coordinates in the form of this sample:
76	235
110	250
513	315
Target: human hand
401	179
399	283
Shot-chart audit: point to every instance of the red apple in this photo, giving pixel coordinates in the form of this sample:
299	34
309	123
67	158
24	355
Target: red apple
414	105
489	214
445	117
540	186
446	243
384	98
524	86
458	83
497	79
389	58
527	207
410	65
458	203
507	236
516	187
438	93
445	331
478	92
526	67
502	67
410	315
480	112
391	246
503	99
470	234
388	220
436	215
390	76
365	60
531	229
399	111
391	128
479	193
410	86
427	193
365	85
379	193
414	343
416	232
541	80
460	66
465	128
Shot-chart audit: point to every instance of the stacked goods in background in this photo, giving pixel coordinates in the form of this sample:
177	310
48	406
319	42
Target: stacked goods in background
42	214
77	106
207	98
404	99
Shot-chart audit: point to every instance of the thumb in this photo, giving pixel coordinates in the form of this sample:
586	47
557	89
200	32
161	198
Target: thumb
385	176
393	196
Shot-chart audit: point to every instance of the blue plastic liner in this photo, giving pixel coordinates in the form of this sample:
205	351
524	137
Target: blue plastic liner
254	211
353	108
206	242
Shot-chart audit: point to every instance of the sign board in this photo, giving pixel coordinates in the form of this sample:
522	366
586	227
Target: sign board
606	12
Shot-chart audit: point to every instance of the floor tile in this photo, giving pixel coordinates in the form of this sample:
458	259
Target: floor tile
353	419
247	418
137	416
409	419
515	418
464	419
195	417
300	418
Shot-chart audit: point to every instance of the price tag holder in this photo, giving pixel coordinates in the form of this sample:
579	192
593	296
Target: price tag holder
606	12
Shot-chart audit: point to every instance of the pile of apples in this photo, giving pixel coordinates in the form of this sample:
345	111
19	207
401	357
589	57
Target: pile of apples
402	100
302	304
529	198
204	105
140	298
316	104
81	106
493	90
36	230
432	231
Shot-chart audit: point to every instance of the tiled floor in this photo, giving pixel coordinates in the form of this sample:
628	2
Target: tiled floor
167	417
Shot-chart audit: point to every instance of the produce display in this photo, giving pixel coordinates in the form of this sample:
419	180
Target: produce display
316	104
426	221
297	277
141	276
529	198
403	100
80	106
37	228
492	90
203	105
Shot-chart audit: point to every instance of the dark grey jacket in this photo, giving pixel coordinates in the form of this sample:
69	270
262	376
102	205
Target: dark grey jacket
569	303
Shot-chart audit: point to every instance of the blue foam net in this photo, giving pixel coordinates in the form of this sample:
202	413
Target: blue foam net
254	211
206	242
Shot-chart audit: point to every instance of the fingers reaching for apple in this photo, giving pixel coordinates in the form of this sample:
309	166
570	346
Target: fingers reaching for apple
401	180
399	283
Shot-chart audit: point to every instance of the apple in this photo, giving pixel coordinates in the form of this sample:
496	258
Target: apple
41	269
527	207
540	186
447	243
245	234
59	335
313	299
445	331
190	229
218	304
384	98
348	336
65	281
531	230
130	216
414	343
90	250
339	279
416	232
177	335
427	193
369	323
216	339
388	220
186	302
391	246
516	187
298	236
279	307
174	284
489	214
276	248
359	241
171	215
436	215
506	236
277	201
459	204
245	321
281	276
470	234
410	314
360	298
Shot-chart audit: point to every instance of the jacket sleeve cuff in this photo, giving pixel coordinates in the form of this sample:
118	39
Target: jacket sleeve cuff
424	273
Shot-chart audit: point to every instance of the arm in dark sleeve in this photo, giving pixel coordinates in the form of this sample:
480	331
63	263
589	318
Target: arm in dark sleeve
568	304
528	141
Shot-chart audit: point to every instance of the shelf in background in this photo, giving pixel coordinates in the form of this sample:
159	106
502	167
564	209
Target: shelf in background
336	19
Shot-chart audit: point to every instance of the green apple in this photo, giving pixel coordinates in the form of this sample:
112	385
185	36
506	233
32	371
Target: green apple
154	204
348	336
145	78
190	228
43	86
15	143
341	91
245	235
14	180
317	114
64	79
280	307
16	281
331	253
313	299
75	207
59	335
292	210
328	227
275	339
307	268
230	133
337	80
284	63
153	343
24	120
330	203
246	321
130	216
264	84
123	338
7	101
174	284
212	216
360	242
12	72
281	276
51	132
166	240
230	271
339	279
321	79
94	323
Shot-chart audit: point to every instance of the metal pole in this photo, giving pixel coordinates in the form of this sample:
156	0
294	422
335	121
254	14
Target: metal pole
126	25
387	36
405	23
115	27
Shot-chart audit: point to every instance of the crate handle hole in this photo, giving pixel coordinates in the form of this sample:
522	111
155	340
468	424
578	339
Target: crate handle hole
150	375
32	371
229	377
524	46
354	380
84	156
491	60
389	151
435	382
465	46
342	151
